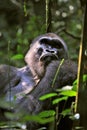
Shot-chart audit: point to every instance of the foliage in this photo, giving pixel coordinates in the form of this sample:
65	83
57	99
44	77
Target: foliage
47	116
21	22
25	22
59	96
63	95
76	82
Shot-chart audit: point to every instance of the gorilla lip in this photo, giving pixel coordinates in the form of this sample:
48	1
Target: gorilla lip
48	57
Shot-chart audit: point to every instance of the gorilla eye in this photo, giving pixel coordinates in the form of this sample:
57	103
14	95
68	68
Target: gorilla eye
40	50
57	45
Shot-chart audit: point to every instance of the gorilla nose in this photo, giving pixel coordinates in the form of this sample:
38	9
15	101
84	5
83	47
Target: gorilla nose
50	51
48	56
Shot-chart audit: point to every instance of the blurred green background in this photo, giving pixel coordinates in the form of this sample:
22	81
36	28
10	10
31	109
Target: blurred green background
22	20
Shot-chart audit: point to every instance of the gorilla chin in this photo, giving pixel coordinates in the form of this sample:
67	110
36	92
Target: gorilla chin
47	58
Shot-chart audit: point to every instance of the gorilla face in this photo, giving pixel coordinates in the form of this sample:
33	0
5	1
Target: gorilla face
46	51
53	44
43	50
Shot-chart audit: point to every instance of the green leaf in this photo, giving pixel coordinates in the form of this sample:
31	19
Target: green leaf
76	81
69	93
41	118
84	77
17	57
46	96
31	118
66	112
59	100
74	85
46	114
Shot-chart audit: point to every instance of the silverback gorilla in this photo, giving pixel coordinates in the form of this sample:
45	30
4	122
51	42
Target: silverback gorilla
27	84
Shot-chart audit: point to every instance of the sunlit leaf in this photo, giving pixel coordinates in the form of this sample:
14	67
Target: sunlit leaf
69	93
46	96
74	85
76	81
47	113
66	112
37	118
59	100
32	118
17	57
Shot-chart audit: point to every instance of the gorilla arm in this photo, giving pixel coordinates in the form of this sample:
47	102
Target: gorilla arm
15	81
31	104
14	84
8	76
67	74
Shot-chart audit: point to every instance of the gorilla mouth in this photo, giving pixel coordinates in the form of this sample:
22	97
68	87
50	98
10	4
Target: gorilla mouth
48	57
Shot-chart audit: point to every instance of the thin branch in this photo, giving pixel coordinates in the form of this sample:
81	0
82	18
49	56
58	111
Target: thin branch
48	16
71	35
63	29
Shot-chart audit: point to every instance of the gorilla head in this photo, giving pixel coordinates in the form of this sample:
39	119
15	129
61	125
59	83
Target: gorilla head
43	50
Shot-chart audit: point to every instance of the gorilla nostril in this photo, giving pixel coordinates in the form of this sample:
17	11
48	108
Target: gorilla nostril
51	51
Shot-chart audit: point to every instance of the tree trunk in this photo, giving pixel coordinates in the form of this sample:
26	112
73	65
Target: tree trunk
81	99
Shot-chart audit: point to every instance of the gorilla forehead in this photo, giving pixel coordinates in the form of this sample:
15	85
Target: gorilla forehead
51	36
53	39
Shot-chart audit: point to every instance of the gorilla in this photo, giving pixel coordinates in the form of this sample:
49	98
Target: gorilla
24	86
